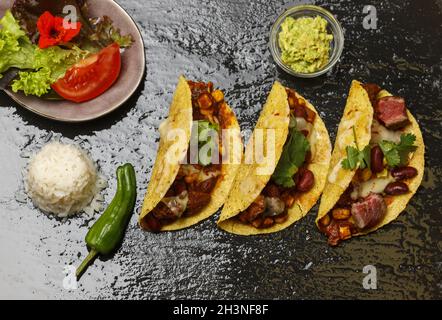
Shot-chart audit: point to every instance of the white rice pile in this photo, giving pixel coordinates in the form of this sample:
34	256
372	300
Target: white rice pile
63	180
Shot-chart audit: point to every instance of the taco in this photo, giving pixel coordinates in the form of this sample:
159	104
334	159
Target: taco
377	165
187	187
268	196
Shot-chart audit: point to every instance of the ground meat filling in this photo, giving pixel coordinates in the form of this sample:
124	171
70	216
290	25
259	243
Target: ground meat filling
191	191
364	204
271	206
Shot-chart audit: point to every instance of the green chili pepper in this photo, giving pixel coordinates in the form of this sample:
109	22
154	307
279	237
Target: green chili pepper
106	234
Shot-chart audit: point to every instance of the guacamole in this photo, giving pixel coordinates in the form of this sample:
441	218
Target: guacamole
305	43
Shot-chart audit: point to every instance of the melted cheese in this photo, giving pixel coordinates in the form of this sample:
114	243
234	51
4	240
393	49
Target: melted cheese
177	204
334	173
188	169
302	124
313	140
274	206
203	176
380	133
376	185
347	136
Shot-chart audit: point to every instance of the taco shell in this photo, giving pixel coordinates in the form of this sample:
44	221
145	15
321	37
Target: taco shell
338	179
164	172
250	182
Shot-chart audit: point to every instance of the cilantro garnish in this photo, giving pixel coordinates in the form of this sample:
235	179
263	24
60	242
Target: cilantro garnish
396	154
356	158
292	157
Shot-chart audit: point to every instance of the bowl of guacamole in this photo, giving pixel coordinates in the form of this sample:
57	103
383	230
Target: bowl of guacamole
306	41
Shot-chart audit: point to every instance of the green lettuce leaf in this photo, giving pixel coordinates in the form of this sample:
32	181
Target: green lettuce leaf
106	33
58	60
50	65
16	50
35	83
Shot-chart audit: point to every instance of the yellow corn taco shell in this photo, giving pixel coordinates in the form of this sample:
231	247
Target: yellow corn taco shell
164	172
339	179
250	181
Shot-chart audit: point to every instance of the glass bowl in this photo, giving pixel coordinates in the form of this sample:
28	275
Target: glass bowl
333	27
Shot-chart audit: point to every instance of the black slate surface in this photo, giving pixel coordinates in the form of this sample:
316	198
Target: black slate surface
226	42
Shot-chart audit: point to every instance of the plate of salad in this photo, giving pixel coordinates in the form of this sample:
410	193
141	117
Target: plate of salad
69	60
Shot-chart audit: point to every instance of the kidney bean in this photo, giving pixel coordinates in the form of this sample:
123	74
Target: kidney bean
404	173
377	159
396	188
306	180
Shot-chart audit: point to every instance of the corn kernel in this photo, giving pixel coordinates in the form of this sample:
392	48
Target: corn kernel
218	95
341	214
344	232
291	101
365	174
382	174
325	220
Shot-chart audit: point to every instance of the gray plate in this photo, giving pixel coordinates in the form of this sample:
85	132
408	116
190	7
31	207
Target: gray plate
132	71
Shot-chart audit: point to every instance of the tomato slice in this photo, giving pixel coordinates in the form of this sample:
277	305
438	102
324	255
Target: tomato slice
90	77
